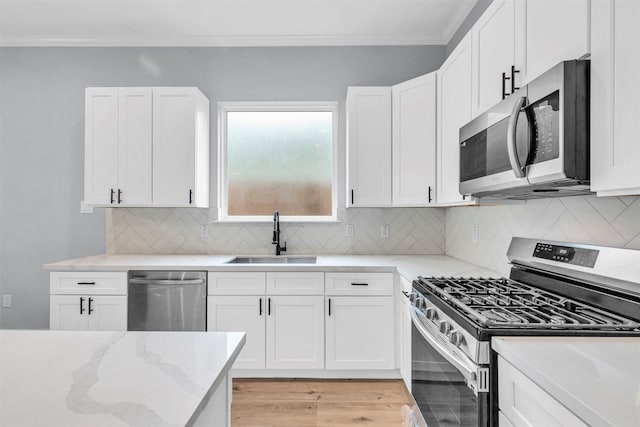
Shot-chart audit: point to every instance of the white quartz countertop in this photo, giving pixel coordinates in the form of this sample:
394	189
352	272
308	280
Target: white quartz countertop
597	378
82	378
409	266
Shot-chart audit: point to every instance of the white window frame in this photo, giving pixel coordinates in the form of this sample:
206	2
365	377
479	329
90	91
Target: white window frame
223	196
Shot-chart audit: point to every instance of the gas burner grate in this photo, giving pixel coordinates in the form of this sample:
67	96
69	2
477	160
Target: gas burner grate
504	303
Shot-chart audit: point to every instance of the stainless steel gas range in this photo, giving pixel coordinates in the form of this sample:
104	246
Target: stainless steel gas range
554	288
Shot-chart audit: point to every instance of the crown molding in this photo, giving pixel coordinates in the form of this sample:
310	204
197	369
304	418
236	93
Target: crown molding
457	20
219	41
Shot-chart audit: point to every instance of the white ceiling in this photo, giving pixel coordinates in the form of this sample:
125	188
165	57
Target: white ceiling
229	22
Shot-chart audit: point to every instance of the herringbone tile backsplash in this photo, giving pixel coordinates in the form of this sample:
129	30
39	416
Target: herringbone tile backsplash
607	221
610	221
177	230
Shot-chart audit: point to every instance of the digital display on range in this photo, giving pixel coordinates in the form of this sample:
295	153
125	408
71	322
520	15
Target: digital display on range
576	256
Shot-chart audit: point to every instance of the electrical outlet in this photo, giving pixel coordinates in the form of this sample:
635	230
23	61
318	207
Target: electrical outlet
349	230
384	231
6	301
85	208
474	235
204	230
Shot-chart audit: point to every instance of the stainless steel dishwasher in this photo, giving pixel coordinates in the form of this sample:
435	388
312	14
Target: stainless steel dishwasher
167	301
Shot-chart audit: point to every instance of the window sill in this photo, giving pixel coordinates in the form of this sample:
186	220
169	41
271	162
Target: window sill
283	219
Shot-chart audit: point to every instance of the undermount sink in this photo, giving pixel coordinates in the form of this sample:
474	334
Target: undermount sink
272	260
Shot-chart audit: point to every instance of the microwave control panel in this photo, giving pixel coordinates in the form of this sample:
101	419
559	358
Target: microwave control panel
567	254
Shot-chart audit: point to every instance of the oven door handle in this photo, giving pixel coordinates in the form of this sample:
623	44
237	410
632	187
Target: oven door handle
468	372
518	169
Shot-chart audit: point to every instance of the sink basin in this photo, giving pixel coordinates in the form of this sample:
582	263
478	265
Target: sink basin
272	260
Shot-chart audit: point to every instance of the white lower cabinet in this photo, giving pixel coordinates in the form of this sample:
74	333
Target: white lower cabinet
95	301
88	312
241	314
523	403
295	332
283	331
360	333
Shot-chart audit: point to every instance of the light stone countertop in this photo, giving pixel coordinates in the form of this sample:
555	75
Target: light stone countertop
597	378
82	378
409	266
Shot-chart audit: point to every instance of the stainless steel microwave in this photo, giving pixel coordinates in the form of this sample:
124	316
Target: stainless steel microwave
533	144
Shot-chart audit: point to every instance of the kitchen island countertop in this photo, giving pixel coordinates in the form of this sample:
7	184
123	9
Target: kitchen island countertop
91	378
596	378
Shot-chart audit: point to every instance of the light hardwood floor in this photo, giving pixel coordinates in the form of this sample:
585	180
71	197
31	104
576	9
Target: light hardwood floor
317	403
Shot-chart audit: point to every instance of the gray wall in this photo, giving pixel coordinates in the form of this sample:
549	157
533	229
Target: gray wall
468	22
42	118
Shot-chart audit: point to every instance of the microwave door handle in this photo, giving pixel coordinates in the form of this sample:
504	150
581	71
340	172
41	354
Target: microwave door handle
518	169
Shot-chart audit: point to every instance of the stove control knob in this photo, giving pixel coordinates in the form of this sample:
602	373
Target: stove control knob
412	297
445	327
456	338
421	304
431	314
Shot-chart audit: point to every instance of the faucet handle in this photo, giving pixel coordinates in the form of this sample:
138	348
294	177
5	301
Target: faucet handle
284	247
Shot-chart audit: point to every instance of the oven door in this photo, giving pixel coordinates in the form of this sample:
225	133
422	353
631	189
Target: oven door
440	382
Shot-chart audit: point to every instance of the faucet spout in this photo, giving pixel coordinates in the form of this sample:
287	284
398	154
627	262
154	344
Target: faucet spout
276	234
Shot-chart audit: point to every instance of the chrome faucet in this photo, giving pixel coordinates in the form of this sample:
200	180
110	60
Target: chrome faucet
276	234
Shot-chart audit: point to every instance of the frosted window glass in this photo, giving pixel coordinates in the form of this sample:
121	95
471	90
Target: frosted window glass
279	161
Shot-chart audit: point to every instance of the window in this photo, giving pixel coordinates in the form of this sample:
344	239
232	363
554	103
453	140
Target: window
278	157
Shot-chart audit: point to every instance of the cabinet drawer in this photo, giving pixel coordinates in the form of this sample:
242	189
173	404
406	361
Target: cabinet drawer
295	283
524	403
88	283
359	283
236	283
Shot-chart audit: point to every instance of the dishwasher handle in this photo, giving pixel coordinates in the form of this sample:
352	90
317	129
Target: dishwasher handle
136	281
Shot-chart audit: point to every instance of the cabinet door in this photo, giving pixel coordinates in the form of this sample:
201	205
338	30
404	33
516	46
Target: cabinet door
241	314
68	312
134	146
180	147
615	98
368	146
524	403
454	111
556	31
493	38
360	333
295	332
414	141
107	312
101	145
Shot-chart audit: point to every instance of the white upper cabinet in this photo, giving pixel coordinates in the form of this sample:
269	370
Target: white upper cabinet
118	146
101	145
556	31
615	97
454	111
180	147
146	147
134	146
368	146
493	38
515	41
414	142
